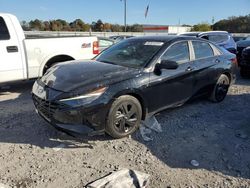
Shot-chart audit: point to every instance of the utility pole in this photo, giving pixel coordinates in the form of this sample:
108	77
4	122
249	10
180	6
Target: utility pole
125	15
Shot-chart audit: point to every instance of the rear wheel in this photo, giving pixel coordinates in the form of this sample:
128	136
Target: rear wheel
220	89
55	60
124	116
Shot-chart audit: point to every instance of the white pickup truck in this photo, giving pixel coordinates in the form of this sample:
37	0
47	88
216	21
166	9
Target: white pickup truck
23	58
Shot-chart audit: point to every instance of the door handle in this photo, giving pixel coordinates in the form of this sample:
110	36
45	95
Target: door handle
11	49
189	69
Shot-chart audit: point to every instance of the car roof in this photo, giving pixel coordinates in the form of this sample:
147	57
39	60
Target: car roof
190	34
165	38
214	32
204	33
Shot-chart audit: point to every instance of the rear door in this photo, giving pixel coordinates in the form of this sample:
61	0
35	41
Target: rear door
11	67
204	61
172	87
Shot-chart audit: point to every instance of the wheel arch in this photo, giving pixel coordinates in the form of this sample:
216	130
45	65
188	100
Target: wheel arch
228	75
139	96
54	59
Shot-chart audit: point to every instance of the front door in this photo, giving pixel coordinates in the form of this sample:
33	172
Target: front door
11	67
172	87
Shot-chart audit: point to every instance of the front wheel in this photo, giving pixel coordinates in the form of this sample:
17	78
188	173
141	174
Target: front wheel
220	89
124	116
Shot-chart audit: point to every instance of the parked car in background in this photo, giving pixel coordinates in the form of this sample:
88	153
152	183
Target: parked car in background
105	43
243	57
24	58
119	38
239	38
131	81
221	38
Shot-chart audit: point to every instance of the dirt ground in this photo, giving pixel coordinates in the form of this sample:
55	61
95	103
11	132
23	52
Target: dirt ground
215	135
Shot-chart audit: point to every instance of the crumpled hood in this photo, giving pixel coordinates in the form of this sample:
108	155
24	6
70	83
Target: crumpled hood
71	75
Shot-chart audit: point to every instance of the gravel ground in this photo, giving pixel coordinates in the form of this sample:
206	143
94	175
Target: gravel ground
215	135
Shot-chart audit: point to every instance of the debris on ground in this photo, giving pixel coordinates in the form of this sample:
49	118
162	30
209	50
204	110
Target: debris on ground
124	178
152	124
194	163
4	186
59	147
145	133
147	126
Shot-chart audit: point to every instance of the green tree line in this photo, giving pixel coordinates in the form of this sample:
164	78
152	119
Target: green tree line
240	24
76	25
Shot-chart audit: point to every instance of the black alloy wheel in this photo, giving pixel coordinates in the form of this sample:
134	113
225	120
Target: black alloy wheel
124	117
220	89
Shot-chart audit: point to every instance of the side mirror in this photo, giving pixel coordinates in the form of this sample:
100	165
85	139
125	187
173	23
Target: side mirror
167	64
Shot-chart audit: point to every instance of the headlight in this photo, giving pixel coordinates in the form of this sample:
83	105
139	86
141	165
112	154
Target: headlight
84	99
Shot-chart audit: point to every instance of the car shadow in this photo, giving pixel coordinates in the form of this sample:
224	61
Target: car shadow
20	124
216	135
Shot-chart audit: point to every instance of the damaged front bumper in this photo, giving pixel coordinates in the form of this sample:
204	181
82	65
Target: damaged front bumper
83	120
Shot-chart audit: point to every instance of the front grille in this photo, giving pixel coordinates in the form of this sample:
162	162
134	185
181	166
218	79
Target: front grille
47	108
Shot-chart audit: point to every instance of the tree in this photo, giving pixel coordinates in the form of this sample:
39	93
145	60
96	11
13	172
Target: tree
116	28
202	27
136	28
107	27
79	25
25	25
46	26
98	26
36	25
234	24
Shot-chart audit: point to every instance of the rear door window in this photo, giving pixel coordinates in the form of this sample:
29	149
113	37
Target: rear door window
178	52
202	50
4	33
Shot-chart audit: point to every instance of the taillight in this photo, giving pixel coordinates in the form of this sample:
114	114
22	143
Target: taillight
95	47
234	61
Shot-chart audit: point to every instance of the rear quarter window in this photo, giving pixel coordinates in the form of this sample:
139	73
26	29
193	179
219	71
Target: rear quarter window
4	33
218	38
202	50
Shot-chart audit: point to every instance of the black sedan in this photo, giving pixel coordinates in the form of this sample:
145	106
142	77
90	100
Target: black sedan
243	56
130	82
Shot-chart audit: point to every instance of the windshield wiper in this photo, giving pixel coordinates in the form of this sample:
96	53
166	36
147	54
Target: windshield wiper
108	62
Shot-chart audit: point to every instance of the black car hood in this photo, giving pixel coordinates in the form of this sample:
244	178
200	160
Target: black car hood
71	75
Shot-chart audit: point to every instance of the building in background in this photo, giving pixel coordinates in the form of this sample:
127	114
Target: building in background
168	29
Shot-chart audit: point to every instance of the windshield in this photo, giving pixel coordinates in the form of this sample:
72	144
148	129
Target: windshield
130	53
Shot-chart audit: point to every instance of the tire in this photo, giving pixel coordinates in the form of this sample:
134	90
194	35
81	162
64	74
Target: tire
220	89
243	73
124	117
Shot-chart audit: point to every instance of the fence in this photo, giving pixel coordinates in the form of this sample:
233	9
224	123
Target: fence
100	34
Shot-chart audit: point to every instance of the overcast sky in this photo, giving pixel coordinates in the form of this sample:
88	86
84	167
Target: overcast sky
164	12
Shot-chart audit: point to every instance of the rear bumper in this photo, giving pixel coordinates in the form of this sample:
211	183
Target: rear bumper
82	120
